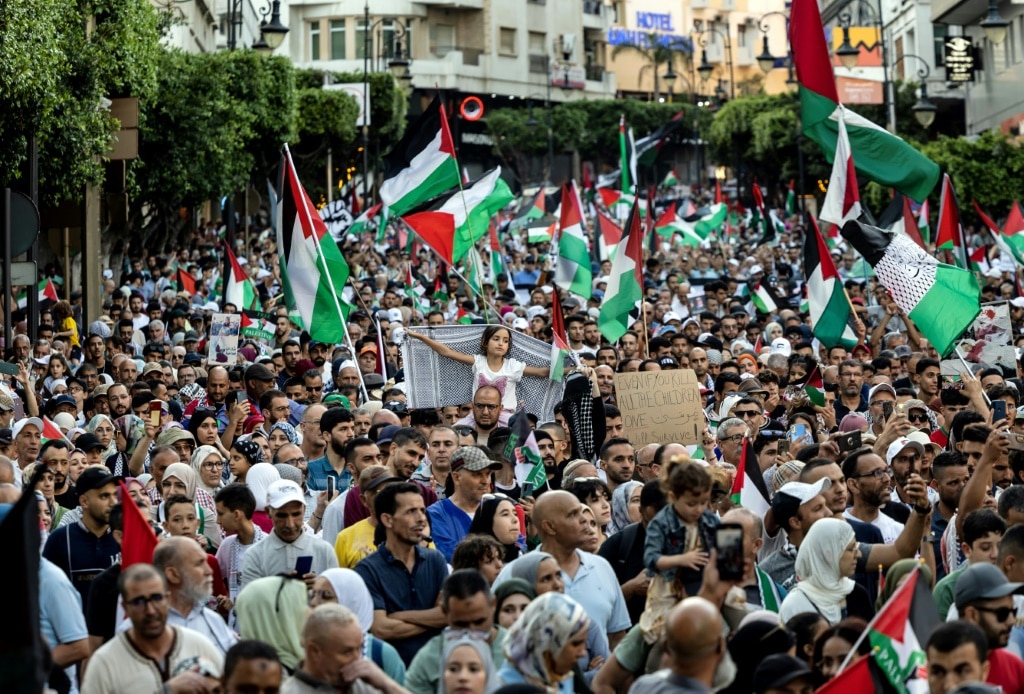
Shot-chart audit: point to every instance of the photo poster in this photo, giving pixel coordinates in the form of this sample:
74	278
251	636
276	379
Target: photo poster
224	330
988	342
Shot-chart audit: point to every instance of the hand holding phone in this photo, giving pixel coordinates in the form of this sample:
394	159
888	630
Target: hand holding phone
303	565
998	408
886	410
155	412
729	543
330	488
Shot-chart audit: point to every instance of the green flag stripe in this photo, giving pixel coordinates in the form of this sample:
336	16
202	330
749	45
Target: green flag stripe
947	308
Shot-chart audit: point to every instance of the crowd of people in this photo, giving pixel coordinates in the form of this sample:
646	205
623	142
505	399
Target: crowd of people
318	534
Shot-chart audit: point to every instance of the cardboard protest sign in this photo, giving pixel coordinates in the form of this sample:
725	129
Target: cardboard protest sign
989	340
224	329
660	406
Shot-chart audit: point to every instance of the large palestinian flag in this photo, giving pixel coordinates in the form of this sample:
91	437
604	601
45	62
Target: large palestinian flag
748	488
625	281
829	308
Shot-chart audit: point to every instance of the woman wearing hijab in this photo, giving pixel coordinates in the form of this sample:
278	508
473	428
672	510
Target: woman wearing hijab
346	587
496	516
543	646
280	434
625	505
180	478
466	667
826	561
759	635
243	455
102	427
510	600
208	464
259	478
203	426
273	610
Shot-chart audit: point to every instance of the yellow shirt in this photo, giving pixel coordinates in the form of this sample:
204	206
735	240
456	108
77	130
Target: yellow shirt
354	544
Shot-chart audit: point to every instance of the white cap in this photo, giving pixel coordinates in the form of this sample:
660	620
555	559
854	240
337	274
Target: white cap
898	445
780	345
22	423
922	438
534	311
520	324
282	492
65	421
994	274
727	404
671	316
755	269
880	388
394	315
803	491
1017	301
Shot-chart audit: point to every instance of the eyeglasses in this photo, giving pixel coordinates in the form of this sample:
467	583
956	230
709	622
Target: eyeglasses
485	406
917	417
213	466
295	462
880	473
735	438
1000	613
497	495
746	413
139	603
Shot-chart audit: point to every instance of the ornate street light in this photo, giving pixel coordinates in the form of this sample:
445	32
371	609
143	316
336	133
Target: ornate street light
994	25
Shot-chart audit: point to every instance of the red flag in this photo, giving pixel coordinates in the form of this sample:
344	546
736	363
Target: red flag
1014	220
185	281
355	203
910	223
611	232
857	677
138	540
381	366
950	235
558	321
718	191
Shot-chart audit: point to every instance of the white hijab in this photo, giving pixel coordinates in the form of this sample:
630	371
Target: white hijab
817	566
353	594
259	478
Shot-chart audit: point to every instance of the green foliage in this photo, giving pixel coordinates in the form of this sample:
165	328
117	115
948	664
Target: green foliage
52	77
988	168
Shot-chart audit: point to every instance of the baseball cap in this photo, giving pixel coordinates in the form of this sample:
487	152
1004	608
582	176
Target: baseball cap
709	341
671	316
387	434
22	423
520	324
792	495
1018	301
394	315
668	363
172	436
780	345
88	442
904	351
6	402
922	438
338	397
915	404
259	372
64	421
728	402
368	348
854	421
380	479
281	492
473	459
778	670
898	445
982	582
191	336
881	387
93	478
755	269
62	400
6	437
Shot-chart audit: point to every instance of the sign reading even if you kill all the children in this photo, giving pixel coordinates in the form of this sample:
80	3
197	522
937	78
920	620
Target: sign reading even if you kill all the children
660	406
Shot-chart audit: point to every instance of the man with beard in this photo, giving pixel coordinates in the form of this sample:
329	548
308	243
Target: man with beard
904	456
441	444
55	455
869	481
835	493
628	345
96	353
118	400
313	444
486	411
618	462
189	581
336	429
699	363
405	612
218	383
606	383
553	450
471	469
290	354
27	434
85	548
143	657
851	393
985	597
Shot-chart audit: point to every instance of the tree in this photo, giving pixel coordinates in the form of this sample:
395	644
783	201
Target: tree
657	49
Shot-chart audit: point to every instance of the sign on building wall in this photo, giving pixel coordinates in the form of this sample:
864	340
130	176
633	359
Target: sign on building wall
863	83
959	58
643	26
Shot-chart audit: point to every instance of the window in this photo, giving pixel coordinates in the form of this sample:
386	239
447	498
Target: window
364	42
940	31
314	40
442	39
538	43
338	39
506	41
741	36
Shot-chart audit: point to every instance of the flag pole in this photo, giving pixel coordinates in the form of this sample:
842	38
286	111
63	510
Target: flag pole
967	368
330	281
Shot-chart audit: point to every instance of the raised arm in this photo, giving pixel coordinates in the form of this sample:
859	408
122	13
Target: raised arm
445	350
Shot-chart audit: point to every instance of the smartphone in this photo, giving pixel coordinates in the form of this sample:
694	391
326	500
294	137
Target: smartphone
797	431
886	411
241	396
849	442
729	543
783	447
1016	440
155	412
8	368
303	565
526	490
998	410
330	488
901	409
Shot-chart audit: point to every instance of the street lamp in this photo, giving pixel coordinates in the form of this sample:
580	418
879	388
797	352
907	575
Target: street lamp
272	32
994	24
924	110
766	61
705	69
848	53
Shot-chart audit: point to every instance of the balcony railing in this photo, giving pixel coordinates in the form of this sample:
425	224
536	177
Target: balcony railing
595	73
470	56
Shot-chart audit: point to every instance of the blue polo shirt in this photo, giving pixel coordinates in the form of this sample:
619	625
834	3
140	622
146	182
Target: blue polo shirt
395	589
81	555
449	524
317	472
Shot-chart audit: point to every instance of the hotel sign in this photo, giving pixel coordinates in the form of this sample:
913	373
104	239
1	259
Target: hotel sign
959	59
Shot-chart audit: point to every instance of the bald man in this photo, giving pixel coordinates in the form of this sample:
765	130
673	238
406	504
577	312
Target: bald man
385	417
694	646
645	465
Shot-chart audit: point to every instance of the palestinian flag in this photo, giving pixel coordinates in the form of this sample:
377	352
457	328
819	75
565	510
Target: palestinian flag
573	272
761	217
671	179
1012	244
463	317
240	290
498	264
842	200
898	217
814	387
559	343
607	235
923	224
257	326
422	165
706	220
625	283
950	236
748	487
47	292
669	224
527	214
897	635
830	310
648	148
185	282
1014	220
940	299
615	199
541	231
139	542
627	153
791	199
363	221
763	300
879	155
454	224
51	431
979	260
313	272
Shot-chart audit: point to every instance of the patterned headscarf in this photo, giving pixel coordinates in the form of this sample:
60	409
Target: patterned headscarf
91	427
250	449
191	391
545	627
288	430
133	429
620	505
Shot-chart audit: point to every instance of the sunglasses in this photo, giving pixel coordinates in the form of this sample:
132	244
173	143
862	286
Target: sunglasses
917	417
1000	613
